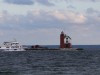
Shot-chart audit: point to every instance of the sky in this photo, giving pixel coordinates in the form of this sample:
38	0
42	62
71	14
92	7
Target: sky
40	22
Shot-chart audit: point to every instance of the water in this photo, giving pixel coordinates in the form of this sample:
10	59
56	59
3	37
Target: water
86	62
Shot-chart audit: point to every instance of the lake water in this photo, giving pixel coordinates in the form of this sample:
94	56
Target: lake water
86	62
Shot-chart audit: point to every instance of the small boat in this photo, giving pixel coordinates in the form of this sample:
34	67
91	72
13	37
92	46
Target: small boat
11	46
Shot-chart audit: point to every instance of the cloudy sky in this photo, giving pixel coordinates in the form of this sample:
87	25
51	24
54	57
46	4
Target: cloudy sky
41	21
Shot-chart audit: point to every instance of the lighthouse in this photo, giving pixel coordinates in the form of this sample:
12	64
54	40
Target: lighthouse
62	37
64	41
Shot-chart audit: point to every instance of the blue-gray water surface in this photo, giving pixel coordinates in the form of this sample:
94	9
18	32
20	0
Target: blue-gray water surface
54	62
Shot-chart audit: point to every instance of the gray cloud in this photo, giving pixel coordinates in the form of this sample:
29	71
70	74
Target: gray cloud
44	19
41	19
30	21
29	2
20	2
71	7
45	2
42	2
92	11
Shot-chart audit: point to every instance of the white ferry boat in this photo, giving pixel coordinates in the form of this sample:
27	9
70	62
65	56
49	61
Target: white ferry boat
11	46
